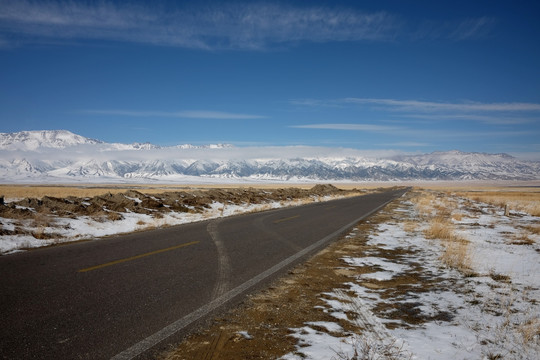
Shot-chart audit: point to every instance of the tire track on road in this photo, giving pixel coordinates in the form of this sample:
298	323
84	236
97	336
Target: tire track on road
223	281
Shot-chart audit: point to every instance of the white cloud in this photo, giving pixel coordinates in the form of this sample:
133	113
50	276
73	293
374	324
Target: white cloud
187	114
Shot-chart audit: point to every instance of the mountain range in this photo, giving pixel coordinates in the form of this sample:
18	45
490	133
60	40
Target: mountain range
50	156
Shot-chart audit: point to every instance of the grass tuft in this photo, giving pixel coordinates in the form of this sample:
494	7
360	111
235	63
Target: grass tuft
456	252
457	216
521	239
410	226
439	228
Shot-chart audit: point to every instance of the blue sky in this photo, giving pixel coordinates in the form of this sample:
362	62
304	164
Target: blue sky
410	76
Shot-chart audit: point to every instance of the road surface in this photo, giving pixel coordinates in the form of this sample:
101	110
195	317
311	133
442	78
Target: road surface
129	296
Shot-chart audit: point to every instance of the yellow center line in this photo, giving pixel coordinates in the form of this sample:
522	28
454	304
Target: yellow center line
137	257
289	218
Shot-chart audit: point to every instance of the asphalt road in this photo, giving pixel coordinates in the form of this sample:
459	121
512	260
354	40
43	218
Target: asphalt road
128	296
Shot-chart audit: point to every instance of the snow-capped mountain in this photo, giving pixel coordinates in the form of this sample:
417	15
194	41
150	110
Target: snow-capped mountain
61	139
34	140
56	156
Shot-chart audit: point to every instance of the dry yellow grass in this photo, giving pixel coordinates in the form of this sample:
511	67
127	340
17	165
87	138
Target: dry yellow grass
457	216
456	249
439	228
530	329
30	191
523	200
521	239
456	254
42	220
533	229
438	208
424	203
410	226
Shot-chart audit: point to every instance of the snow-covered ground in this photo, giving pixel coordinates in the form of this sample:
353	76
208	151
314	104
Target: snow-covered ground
67	229
406	304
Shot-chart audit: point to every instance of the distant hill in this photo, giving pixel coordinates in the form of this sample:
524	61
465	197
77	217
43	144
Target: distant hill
61	156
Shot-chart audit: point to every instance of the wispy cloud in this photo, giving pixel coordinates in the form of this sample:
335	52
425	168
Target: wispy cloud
486	119
495	113
431	106
229	26
414	136
423	106
248	25
472	28
187	114
454	30
407	144
353	127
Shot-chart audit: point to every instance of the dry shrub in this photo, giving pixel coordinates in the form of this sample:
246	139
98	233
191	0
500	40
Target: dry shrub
410	226
103	216
42	220
114	216
206	215
264	207
430	204
457	216
533	229
424	203
39	233
374	348
499	277
521	239
530	330
439	228
443	209
456	254
307	201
